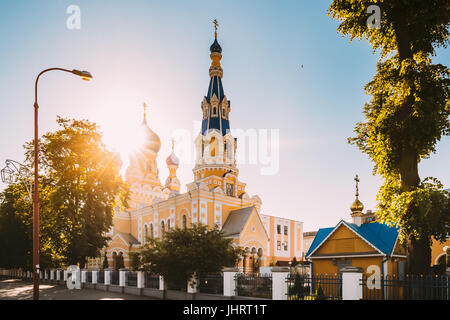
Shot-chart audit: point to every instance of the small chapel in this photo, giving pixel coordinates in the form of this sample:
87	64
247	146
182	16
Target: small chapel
215	197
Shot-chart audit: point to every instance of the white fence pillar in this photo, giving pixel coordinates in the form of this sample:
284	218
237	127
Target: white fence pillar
351	283
140	279
122	277
229	283
279	284
65	275
108	277
192	284
52	274
162	283
94	276
83	275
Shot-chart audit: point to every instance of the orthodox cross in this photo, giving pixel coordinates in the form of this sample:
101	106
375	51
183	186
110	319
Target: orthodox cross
173	144
357	181
216	24
145	110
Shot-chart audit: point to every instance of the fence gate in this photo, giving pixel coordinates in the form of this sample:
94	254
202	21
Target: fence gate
315	287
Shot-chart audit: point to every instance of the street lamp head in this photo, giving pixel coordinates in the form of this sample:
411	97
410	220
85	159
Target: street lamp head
85	75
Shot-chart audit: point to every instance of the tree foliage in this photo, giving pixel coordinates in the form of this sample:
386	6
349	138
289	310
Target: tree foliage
184	252
407	114
80	186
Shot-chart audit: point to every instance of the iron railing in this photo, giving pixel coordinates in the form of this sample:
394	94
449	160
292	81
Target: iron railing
254	285
409	287
131	279
315	287
151	280
211	283
101	276
88	276
115	277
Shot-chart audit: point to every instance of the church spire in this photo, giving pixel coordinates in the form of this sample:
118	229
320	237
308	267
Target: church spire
215	105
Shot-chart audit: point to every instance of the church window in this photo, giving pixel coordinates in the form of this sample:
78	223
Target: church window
213	146
278	245
285	230
278	229
184	222
168	224
229	189
162	229
285	246
214	111
151	231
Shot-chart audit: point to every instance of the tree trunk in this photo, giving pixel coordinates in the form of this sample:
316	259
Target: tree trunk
418	250
419	255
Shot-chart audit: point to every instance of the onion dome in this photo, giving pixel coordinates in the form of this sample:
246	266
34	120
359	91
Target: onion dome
172	160
151	139
215	47
357	206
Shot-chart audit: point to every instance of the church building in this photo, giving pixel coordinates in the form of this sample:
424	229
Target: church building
216	197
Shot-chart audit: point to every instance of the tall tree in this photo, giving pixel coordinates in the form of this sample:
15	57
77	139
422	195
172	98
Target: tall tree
184	252
407	114
84	187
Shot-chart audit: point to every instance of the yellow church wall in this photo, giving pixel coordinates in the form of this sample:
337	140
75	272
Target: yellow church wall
122	225
437	250
344	240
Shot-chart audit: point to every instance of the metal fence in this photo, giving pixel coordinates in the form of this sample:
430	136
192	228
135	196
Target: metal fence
115	277
316	287
211	283
409	287
151	280
131	279
254	285
101	276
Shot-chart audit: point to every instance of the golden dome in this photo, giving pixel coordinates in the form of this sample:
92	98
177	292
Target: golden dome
357	206
151	139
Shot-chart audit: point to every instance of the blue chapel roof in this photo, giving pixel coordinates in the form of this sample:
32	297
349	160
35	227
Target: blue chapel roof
379	235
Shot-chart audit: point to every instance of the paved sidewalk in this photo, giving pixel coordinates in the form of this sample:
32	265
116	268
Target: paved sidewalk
16	289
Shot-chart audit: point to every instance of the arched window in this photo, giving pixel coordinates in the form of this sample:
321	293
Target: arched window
168	225
213	146
151	230
184	222
162	229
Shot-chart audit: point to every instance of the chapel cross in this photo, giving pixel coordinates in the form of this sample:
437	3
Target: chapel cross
357	181
216	24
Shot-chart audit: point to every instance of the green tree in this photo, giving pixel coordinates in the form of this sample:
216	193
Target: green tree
184	252
15	237
105	264
83	184
407	114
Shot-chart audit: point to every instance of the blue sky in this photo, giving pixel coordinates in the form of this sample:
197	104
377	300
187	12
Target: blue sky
158	52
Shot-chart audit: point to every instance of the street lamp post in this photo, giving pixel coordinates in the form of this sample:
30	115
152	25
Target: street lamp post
85	76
